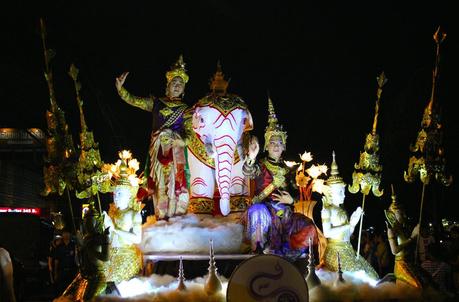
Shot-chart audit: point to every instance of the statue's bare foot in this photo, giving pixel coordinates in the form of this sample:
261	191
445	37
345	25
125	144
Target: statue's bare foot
225	206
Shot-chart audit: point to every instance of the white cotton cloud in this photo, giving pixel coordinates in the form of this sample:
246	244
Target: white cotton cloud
191	234
358	288
158	288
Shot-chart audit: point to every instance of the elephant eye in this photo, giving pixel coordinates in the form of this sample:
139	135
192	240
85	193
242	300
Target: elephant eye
202	120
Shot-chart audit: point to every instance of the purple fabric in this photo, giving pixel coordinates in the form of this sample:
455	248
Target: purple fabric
259	218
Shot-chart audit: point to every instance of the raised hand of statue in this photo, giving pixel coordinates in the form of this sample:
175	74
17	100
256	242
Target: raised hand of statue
355	217
254	148
390	232
108	222
283	197
119	81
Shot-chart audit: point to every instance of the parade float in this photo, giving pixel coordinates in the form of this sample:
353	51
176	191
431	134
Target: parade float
215	200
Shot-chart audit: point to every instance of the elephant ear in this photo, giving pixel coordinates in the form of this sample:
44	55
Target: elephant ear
248	122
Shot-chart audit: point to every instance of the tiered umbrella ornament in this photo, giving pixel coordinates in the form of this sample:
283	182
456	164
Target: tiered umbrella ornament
89	161
427	160
367	174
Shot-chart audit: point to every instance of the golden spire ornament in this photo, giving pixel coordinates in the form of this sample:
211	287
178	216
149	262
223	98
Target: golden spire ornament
89	161
181	276
367	173
213	284
218	84
59	167
427	160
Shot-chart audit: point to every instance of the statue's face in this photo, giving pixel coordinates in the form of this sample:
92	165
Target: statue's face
175	87
337	192
121	197
275	147
400	216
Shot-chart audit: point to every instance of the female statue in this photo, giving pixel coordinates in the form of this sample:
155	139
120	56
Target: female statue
94	245
125	222
402	243
271	221
338	228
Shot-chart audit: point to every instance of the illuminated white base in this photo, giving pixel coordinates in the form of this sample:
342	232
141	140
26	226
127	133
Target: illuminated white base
164	288
356	288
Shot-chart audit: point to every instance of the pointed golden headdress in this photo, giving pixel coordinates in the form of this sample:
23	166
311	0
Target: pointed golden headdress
218	84
177	70
395	205
273	128
334	178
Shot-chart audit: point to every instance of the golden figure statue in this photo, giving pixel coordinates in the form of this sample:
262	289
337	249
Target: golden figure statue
338	228
402	243
90	281
125	222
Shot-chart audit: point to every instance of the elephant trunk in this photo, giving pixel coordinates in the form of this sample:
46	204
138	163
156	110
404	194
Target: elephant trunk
224	146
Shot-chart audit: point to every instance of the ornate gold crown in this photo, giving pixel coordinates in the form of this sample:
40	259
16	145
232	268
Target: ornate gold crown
218	84
334	174
273	128
177	70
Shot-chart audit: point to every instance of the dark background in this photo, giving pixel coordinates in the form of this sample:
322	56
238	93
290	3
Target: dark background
318	62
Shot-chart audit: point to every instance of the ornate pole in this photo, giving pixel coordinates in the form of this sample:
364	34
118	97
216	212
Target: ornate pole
367	173
427	160
59	169
89	161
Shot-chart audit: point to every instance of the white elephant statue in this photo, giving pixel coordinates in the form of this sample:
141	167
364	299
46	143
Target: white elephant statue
215	153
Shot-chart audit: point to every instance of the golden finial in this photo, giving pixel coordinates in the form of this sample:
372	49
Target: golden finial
381	81
439	35
181	276
218	84
213	284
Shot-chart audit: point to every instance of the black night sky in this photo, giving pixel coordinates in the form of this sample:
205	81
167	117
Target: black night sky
318	62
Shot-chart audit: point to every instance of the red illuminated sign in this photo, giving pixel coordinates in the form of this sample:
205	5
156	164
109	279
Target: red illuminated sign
34	211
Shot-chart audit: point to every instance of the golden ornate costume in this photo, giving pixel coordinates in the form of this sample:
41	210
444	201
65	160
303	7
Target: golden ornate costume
338	229
270	223
402	244
90	281
125	222
166	170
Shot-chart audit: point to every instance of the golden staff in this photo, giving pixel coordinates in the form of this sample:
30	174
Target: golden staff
367	173
428	159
